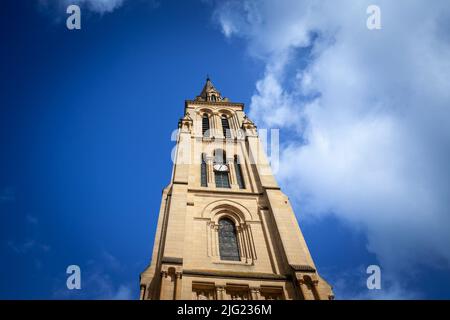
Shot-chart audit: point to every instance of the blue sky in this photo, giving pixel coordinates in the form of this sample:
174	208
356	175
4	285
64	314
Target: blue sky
82	110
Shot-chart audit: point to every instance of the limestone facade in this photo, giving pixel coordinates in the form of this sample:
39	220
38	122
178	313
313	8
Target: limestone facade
225	229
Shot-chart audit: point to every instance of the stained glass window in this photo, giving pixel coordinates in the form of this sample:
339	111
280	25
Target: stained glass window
228	244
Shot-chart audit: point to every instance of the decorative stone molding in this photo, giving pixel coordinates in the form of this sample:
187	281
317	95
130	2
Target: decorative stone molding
172	260
249	127
302	268
229	205
236	274
186	123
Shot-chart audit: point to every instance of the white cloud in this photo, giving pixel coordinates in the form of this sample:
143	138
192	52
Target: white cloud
95	285
372	111
98	6
101	6
101	286
123	293
351	285
100	281
28	247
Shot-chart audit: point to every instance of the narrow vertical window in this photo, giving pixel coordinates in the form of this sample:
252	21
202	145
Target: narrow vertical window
222	180
221	170
239	177
228	244
205	125
226	127
203	172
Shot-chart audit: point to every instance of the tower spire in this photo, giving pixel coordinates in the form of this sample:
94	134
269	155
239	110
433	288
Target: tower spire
210	93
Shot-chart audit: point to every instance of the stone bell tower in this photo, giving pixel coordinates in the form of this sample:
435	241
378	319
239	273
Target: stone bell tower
225	229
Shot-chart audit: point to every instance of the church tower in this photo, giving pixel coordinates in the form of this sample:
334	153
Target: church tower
225	229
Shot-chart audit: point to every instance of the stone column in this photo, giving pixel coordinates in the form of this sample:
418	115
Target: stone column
232	173
305	290
240	238
209	238
213	239
164	285
211	125
178	276
220	292
249	241
254	291
210	171
142	293
216	237
246	244
217	125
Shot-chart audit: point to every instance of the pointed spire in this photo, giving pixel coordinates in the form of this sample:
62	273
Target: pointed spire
208	85
209	92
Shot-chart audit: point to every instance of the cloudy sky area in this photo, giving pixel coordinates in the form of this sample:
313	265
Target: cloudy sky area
363	115
368	114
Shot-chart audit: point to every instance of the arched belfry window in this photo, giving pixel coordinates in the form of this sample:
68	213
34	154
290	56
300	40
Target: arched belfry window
226	127
228	243
205	125
213	98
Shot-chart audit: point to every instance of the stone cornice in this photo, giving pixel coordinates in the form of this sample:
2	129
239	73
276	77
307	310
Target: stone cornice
213	192
216	104
236	274
172	260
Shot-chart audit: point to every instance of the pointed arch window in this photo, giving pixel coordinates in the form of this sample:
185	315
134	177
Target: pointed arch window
238	169
228	243
226	127
213	98
205	125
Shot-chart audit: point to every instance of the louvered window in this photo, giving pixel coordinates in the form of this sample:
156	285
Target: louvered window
205	125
